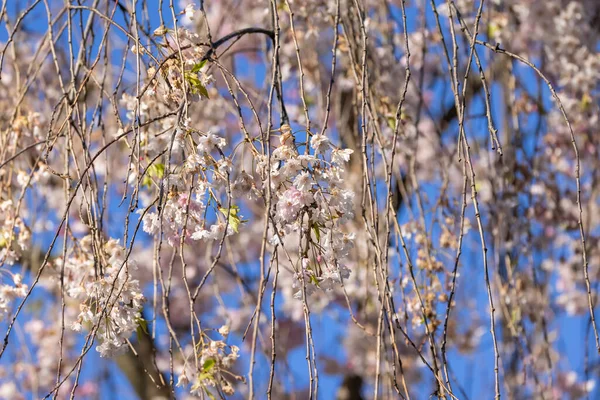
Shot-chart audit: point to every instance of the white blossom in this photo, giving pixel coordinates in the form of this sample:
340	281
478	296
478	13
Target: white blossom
319	143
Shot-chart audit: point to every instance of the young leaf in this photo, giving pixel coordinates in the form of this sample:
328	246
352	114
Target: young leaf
142	328
234	218
195	84
314	280
197	67
209	394
202	90
208	364
154	171
317	232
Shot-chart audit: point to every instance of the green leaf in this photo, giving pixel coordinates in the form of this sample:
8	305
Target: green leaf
209	394
317	232
493	29
208	364
203	91
391	121
154	171
142	323
142	327
196	85
586	101
193	80
197	67
515	316
282	6
234	218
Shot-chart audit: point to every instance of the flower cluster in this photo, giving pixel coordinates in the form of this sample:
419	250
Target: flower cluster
10	292
12	227
187	80
313	203
46	337
110	299
215	358
208	175
178	210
